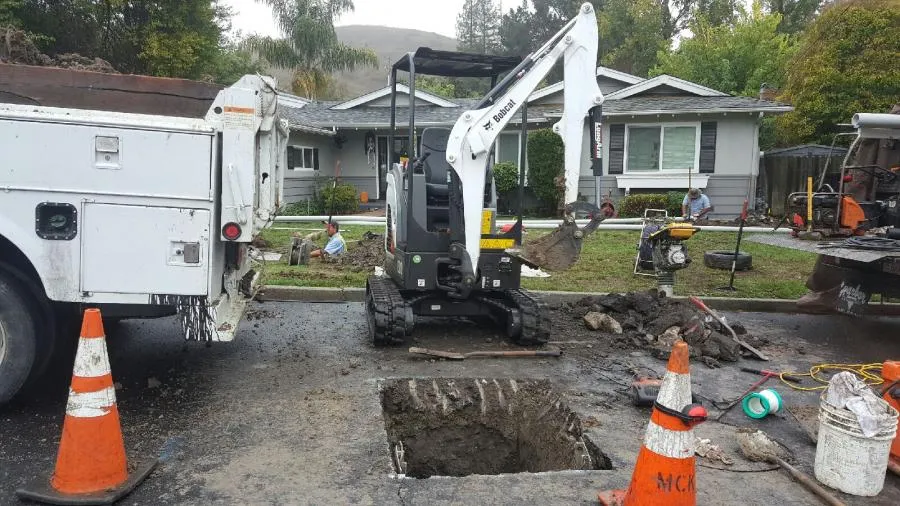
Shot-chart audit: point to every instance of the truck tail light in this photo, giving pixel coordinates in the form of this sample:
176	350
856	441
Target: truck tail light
231	231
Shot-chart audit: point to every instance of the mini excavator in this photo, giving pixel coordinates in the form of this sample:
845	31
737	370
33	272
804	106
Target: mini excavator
444	255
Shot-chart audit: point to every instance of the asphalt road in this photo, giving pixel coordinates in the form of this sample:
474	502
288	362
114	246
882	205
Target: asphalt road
289	413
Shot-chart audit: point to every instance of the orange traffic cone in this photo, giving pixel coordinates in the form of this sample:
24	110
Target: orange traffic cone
664	472
91	467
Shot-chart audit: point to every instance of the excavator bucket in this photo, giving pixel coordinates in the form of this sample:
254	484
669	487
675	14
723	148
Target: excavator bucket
560	249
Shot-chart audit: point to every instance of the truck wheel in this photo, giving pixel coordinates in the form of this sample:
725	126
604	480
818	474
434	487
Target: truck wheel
17	338
722	260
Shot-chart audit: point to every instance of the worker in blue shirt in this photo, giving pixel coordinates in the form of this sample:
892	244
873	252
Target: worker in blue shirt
334	247
695	205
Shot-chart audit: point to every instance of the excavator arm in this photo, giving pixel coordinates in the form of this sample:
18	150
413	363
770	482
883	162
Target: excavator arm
476	130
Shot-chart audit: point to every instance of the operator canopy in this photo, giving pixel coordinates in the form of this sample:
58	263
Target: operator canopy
456	64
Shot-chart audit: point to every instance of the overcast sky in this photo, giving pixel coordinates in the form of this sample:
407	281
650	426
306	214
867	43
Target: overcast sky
437	16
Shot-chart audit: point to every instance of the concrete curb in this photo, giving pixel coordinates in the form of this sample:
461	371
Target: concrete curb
333	295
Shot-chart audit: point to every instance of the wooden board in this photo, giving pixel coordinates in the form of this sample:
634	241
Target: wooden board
77	89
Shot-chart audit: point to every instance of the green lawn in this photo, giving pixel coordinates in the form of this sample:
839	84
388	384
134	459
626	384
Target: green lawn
605	265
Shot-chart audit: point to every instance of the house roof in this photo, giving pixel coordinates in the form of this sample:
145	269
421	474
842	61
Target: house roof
601	72
664	104
386	92
665	80
689	98
325	115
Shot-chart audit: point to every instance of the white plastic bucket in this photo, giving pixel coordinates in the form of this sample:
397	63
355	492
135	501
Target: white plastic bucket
848	461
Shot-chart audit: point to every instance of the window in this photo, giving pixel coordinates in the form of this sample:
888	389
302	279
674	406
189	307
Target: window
303	158
508	148
662	147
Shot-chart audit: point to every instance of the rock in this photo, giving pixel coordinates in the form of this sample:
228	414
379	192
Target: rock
153	383
710	348
344	372
729	350
355	362
738	328
669	337
602	322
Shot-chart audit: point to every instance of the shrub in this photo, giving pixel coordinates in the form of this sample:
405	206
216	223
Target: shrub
341	199
506	177
545	165
675	200
633	206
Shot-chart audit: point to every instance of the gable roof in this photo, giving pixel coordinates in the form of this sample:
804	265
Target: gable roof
386	91
601	72
666	80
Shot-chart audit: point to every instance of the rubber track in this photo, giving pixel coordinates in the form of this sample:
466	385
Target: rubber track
390	310
534	313
535	317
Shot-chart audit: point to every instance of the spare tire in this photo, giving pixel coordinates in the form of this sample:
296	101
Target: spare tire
723	259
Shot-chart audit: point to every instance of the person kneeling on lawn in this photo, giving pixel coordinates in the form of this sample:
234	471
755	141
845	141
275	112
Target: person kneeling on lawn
335	246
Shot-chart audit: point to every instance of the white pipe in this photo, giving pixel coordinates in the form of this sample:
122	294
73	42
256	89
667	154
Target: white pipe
341	219
552	224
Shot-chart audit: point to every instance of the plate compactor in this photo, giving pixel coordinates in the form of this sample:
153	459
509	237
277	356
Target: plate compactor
444	255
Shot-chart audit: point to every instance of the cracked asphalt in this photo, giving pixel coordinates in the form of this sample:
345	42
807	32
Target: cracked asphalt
289	413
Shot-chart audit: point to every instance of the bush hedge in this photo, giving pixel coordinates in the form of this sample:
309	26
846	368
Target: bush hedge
545	164
506	177
344	198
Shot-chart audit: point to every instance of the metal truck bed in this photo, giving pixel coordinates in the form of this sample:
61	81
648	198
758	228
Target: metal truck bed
786	241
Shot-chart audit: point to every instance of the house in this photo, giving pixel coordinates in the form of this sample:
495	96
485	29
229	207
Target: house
657	134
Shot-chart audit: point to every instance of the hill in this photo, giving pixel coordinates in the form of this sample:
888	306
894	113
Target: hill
388	43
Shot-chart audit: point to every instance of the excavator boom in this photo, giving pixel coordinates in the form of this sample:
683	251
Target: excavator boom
476	130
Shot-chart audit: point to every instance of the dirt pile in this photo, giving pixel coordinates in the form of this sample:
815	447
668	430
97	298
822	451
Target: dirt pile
653	323
362	255
17	47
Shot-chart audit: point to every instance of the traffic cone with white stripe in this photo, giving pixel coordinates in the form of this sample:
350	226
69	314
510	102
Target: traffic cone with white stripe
664	472
91	467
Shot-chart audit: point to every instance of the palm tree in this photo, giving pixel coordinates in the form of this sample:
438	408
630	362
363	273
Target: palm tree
310	47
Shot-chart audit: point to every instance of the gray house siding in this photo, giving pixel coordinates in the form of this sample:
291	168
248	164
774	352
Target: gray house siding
726	193
736	161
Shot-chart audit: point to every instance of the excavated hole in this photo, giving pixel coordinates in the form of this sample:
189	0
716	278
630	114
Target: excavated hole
463	426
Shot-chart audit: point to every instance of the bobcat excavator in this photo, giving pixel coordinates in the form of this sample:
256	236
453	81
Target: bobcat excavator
443	253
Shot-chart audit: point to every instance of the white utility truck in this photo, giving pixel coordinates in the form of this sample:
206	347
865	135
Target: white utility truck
137	214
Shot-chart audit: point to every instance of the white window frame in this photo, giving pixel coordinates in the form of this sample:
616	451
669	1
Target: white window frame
301	147
662	140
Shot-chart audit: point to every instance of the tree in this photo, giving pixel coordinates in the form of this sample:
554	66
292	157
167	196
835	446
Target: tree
632	34
173	38
848	61
8	10
717	12
735	59
310	47
478	27
795	14
181	38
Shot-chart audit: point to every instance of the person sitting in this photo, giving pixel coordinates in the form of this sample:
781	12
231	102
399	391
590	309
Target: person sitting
335	246
695	205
